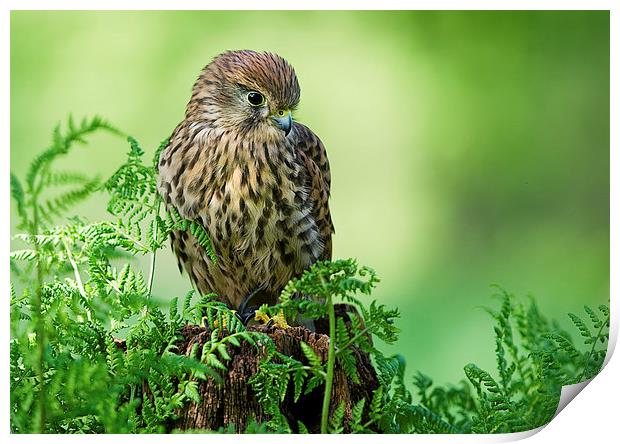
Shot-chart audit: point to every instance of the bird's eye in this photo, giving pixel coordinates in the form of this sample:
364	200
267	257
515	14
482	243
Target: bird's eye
256	98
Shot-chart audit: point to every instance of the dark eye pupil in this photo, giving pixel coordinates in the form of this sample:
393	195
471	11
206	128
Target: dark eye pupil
255	98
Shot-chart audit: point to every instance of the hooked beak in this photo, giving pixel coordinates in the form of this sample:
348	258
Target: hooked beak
283	120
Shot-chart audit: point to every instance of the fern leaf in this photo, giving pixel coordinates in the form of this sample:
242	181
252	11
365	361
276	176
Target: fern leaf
583	329
310	355
337	418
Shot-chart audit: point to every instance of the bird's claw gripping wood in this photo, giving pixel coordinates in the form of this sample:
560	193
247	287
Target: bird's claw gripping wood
245	312
245	316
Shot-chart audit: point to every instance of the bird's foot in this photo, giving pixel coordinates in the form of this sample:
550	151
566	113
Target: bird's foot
246	312
246	315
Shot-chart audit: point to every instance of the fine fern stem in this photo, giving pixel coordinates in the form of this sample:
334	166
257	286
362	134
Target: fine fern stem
78	278
137	242
113	286
368	423
39	325
35	189
352	341
331	358
154	253
215	345
515	357
596	339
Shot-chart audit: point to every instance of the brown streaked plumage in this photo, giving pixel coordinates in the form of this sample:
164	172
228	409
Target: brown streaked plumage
258	182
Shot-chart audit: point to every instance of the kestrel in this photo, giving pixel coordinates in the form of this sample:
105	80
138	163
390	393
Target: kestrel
257	180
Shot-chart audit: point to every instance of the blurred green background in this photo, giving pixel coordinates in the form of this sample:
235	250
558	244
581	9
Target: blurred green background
467	148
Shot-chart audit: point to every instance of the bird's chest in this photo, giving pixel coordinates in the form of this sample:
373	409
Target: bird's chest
253	217
254	204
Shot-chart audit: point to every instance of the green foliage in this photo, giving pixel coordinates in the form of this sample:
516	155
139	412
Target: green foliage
75	293
68	374
134	200
325	281
534	360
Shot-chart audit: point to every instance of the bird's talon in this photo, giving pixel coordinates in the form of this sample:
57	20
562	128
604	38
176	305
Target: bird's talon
245	316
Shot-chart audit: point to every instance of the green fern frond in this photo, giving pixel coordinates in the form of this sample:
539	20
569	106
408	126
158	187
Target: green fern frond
310	355
337	419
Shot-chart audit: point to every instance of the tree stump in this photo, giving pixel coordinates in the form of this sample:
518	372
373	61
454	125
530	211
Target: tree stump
232	401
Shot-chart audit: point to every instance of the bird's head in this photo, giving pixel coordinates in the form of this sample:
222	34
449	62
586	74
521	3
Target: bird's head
246	91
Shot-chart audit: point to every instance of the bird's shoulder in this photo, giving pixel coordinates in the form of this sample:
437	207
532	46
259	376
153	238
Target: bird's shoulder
313	155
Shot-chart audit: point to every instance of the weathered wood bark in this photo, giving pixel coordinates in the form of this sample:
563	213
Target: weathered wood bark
232	401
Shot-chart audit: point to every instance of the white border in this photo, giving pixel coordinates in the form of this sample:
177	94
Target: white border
307	5
593	417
